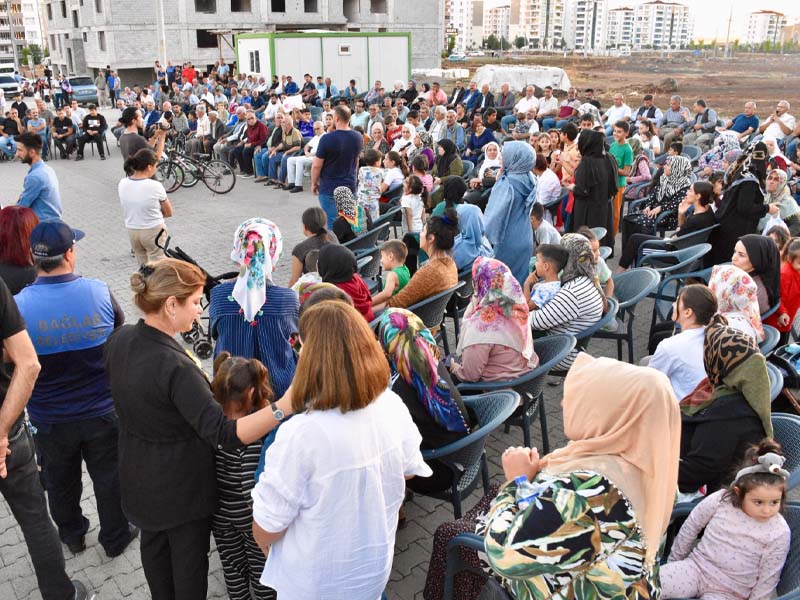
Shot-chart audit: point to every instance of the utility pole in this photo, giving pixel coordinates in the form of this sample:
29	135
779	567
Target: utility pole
11	33
728	36
162	34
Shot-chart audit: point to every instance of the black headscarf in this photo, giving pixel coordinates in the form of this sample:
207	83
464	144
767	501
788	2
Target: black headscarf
450	154
336	264
594	160
411	93
751	164
766	261
453	190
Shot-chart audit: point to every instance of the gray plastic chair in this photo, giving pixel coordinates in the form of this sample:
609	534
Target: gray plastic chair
431	310
370	271
367	241
584	337
787	433
392	217
771	337
599	232
775	381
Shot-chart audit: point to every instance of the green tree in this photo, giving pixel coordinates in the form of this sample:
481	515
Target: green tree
34	52
520	42
492	43
451	44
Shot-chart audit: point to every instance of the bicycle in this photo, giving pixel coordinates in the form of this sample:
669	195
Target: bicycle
180	169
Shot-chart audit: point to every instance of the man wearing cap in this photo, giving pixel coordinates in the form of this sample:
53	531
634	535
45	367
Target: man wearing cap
94	129
71	410
40	190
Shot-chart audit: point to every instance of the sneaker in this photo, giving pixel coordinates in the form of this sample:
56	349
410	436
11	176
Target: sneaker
246	175
81	593
554	381
79	546
133	534
296	189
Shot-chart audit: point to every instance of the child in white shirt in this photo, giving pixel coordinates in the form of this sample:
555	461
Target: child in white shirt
413	203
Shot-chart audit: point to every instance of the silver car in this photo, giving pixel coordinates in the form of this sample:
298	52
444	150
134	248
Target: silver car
9	85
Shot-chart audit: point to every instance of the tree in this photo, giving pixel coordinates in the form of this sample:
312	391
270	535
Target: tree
492	43
32	52
505	44
520	42
451	44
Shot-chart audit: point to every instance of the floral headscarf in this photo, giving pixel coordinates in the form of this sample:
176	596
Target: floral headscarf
257	246
414	356
498	312
581	259
737	300
348	208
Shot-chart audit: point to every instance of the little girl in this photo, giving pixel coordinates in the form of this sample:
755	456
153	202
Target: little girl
370	180
414	200
790	289
419	167
241	386
746	539
396	171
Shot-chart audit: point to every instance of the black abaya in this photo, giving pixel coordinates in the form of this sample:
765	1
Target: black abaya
744	206
595	186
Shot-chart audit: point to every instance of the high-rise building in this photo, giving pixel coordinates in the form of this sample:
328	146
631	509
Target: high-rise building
497	21
459	24
585	24
477	34
619	31
543	23
662	25
764	26
20	26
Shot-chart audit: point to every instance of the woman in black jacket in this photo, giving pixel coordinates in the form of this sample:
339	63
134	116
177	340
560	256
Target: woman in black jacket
170	429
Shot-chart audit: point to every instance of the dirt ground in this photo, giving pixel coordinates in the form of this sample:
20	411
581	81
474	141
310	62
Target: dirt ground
724	83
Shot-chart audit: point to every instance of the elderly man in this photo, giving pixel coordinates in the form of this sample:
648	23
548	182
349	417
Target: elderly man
648	111
470	98
453	131
328	90
526	103
744	124
504	102
567	111
374	95
779	124
194	144
674	120
701	130
548	106
485	100
224	147
216	130
619	111
375	116
151	115
255	136
439	124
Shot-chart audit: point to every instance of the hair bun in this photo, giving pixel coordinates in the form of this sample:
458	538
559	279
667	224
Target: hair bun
138	283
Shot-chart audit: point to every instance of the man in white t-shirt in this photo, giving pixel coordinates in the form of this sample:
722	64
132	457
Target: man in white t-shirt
548	106
524	105
618	112
780	123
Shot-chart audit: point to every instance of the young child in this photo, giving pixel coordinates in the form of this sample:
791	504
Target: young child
419	167
240	386
601	269
395	271
543	230
396	171
790	288
543	284
370	179
414	200
746	540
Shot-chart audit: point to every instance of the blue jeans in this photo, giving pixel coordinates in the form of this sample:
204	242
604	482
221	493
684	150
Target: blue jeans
609	130
561	123
791	150
328	204
506	121
23	492
62	448
8	146
262	163
548	123
274	163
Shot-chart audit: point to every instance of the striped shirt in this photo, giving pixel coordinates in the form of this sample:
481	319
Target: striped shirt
577	306
267	340
235	480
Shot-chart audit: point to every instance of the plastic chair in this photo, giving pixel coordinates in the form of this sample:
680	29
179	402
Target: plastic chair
551	350
366	241
468	167
787	432
457	305
388	217
584	337
771	310
470	541
431	310
775	381
605	252
466	458
676	243
662	216
693	153
630	288
599	232
771	336
673	284
370	270
363	262
394	193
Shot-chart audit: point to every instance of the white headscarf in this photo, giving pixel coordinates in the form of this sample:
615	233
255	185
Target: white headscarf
257	246
489	163
400	142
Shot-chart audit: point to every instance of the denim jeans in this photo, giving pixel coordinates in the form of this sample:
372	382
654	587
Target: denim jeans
548	123
791	150
8	145
262	163
274	163
25	497
62	448
506	121
328	204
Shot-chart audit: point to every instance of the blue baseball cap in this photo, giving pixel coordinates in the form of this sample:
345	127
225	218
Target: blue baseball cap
53	237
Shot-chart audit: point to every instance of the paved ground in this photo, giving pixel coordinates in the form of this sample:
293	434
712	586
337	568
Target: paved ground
203	226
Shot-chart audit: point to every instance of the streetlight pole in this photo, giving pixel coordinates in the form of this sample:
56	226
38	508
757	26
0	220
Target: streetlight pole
11	34
162	34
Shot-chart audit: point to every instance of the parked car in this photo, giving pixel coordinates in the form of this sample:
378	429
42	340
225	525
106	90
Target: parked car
457	58
9	86
83	90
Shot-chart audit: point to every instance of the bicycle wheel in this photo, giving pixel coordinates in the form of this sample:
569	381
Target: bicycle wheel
219	176
170	174
192	175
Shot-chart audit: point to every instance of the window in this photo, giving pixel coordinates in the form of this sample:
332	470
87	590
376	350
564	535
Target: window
240	6
310	6
377	6
101	40
75	22
205	6
255	61
53	42
63	9
344	49
206	39
85	37
98	5
49	12
278	5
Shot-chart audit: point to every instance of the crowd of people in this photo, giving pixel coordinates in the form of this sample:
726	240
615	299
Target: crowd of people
298	452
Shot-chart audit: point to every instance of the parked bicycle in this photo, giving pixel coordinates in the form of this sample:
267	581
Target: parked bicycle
179	169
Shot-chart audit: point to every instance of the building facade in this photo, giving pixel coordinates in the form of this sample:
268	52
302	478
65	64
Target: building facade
662	25
83	37
543	23
619	31
20	26
497	21
764	26
459	24
585	24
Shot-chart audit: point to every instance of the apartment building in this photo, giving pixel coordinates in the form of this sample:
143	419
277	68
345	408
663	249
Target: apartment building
585	24
764	26
543	22
497	21
662	25
20	26
619	30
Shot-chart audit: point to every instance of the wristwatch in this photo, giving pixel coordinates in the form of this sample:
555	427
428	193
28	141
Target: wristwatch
277	412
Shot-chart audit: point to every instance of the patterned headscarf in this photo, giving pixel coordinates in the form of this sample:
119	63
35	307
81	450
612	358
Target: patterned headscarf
736	294
679	178
781	192
414	356
581	259
257	246
498	312
348	208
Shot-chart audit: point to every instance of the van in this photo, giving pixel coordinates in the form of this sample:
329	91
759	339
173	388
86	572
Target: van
7	69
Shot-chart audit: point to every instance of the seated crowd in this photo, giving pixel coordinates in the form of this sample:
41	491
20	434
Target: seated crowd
507	194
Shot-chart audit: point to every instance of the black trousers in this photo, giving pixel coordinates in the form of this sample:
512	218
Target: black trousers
92	139
175	560
65	145
631	248
244	155
63	447
23	492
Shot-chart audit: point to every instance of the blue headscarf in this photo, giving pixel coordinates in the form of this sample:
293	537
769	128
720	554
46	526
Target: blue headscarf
508	225
470	242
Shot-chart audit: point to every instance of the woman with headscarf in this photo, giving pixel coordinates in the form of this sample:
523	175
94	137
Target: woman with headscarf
666	197
405	141
586	521
495	342
252	317
397	90
425	94
594	187
471	240
758	256
737	299
478	140
579	303
743	203
726	412
508	225
425	387
711	161
337	265
781	203
447	166
411	94
487	172
353	220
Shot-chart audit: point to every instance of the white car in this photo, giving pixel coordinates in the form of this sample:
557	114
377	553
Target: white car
9	85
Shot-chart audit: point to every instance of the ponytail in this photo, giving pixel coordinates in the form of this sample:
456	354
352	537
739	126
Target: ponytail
142	159
398	160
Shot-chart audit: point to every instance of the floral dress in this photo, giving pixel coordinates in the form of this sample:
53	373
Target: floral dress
368	192
577	539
